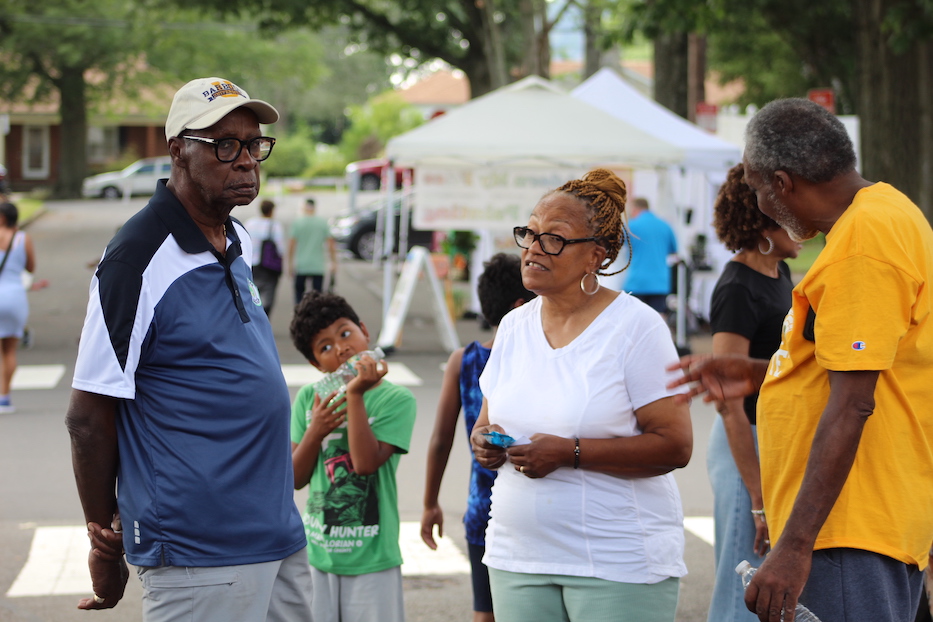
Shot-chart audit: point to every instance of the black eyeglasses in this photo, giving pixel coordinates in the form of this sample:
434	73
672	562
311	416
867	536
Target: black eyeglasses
228	149
550	243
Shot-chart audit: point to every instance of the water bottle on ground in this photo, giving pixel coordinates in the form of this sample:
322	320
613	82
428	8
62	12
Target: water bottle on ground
337	380
747	571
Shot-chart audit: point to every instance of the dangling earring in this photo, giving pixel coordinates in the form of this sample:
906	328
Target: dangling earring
583	281
770	246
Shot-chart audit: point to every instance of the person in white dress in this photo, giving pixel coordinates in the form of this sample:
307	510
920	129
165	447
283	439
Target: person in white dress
16	256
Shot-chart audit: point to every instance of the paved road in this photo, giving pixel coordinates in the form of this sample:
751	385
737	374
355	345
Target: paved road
38	492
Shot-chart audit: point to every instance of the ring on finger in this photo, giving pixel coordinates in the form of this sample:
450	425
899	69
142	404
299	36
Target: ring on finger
98	599
521	469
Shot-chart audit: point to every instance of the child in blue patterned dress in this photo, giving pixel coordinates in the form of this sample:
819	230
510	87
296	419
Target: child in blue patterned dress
500	290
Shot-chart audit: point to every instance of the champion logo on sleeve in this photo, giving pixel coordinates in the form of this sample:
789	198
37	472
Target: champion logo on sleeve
859	345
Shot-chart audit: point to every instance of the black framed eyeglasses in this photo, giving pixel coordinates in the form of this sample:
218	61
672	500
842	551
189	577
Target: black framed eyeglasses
229	149
550	243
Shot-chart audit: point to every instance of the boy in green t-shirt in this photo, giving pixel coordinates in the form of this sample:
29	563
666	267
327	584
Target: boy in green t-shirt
348	449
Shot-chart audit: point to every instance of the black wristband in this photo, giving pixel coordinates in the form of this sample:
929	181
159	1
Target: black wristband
576	452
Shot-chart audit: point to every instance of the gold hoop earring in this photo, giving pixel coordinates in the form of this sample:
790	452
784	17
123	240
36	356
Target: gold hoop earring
583	283
770	246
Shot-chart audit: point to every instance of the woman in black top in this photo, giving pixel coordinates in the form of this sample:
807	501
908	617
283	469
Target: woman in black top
749	303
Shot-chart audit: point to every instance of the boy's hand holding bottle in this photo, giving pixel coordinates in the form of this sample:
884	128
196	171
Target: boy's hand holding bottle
326	415
368	374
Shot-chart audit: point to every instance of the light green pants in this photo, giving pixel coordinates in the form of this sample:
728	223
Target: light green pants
519	597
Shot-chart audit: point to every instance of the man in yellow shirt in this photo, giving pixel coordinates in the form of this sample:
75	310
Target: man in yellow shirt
845	426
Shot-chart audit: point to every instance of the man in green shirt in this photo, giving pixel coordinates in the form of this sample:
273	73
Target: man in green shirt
306	260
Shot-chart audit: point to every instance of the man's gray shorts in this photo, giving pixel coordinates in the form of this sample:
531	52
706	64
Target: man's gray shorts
277	591
851	585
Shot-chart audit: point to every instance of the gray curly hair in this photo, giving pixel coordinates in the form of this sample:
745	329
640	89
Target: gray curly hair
799	137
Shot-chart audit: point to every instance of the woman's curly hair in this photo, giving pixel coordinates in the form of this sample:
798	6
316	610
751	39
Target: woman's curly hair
604	195
736	216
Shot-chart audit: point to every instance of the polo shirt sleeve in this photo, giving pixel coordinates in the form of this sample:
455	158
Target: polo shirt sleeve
114	327
863	309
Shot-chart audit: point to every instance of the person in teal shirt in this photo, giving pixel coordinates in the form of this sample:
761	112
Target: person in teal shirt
308	237
346	449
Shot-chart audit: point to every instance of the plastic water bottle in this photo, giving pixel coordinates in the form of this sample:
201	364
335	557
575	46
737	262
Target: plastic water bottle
337	380
747	571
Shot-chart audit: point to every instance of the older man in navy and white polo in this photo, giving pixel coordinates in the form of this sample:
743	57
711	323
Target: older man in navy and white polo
179	414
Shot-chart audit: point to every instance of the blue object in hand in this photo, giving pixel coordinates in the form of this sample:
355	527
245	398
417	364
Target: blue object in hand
499	439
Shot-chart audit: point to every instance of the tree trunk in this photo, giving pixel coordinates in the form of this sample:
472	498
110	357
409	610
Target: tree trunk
696	78
896	129
592	28
476	68
492	45
73	149
530	56
543	36
670	71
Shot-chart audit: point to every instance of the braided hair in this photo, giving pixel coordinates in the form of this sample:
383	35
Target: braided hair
603	194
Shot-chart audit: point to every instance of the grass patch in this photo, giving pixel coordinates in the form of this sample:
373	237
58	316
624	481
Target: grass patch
28	208
808	254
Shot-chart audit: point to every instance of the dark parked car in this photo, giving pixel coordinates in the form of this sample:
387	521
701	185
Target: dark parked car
356	231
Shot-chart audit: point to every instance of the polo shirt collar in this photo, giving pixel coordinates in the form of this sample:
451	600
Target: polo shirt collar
183	228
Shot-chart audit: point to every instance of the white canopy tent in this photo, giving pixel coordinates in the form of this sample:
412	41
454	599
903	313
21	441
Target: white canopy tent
700	149
484	165
529	123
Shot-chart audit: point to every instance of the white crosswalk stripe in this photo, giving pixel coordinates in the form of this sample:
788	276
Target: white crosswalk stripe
49	376
701	526
57	562
37	377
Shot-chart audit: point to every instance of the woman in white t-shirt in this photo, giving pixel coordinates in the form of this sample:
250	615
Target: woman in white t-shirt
587	522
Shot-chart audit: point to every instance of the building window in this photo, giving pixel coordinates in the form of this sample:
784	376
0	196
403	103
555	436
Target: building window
36	150
103	144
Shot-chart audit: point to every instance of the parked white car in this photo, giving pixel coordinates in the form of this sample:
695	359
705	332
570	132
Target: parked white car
139	177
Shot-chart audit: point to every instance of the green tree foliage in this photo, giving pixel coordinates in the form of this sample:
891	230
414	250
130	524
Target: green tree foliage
420	29
279	67
374	123
487	39
291	155
352	75
77	50
755	40
875	54
768	66
89	53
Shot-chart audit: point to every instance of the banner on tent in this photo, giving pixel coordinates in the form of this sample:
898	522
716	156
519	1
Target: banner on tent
492	198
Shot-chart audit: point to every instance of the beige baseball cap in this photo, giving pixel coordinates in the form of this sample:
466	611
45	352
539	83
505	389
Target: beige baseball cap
203	102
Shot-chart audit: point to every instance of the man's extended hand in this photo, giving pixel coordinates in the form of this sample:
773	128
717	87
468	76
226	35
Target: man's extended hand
719	377
778	583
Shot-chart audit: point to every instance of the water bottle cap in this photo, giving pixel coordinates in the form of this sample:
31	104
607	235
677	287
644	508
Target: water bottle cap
743	566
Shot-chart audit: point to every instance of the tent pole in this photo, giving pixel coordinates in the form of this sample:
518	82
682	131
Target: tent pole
388	245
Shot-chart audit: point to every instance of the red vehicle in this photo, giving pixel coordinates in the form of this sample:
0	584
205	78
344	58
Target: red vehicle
367	174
